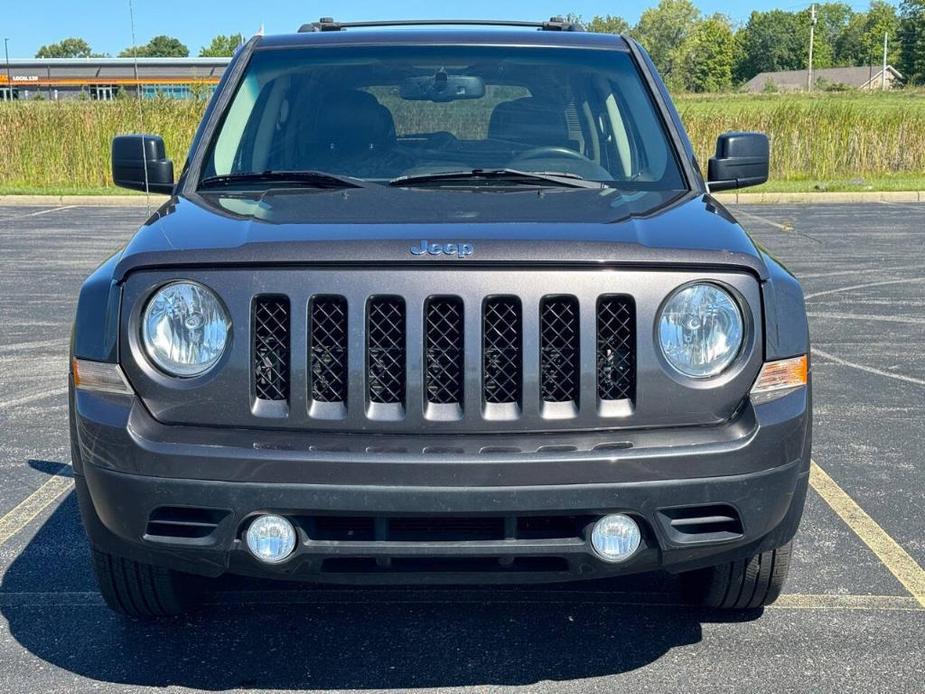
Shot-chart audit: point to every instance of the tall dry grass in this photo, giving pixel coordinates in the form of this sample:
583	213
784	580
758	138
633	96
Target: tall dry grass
66	145
825	137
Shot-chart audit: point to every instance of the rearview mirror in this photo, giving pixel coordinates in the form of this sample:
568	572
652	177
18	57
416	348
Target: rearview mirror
742	160
442	87
133	155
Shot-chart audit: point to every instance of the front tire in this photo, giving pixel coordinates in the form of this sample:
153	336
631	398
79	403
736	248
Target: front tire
141	590
745	584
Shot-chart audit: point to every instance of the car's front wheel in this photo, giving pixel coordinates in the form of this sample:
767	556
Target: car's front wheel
745	584
141	590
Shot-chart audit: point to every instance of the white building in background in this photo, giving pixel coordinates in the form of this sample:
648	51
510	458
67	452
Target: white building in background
104	78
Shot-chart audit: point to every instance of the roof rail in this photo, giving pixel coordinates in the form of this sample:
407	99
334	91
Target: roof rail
328	24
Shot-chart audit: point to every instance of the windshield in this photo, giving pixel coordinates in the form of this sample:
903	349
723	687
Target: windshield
386	113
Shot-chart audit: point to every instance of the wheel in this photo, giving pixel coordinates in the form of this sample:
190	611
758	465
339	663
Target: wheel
745	584
141	590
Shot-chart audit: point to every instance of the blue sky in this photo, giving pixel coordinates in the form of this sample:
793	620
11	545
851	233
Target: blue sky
105	23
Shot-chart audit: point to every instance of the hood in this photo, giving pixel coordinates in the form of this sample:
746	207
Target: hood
378	225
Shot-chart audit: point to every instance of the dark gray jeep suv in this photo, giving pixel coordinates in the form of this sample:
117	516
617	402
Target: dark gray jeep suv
442	306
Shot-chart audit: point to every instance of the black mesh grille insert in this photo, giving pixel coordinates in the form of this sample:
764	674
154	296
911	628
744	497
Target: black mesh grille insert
559	354
616	348
501	350
443	350
327	345
271	347
385	350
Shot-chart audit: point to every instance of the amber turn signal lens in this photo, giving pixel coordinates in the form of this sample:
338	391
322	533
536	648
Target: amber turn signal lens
777	378
99	376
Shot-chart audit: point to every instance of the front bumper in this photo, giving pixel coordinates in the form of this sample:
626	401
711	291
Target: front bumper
754	470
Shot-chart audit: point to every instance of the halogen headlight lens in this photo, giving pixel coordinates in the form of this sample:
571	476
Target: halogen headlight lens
700	330
185	329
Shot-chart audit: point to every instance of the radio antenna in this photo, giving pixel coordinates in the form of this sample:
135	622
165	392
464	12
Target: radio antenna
141	112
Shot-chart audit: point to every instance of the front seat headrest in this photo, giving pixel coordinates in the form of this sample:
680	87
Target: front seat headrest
352	121
529	120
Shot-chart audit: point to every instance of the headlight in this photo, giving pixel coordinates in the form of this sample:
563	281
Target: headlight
185	329
700	330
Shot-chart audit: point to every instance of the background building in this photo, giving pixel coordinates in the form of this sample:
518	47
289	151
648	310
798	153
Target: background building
865	77
105	78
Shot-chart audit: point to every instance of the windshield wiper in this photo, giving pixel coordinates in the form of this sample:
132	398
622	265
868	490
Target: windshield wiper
512	176
310	179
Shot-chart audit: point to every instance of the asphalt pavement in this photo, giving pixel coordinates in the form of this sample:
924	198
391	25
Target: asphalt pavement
852	618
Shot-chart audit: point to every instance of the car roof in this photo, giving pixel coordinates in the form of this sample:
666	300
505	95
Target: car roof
448	37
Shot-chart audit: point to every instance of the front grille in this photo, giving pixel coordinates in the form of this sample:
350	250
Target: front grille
327	346
501	350
385	350
415	354
271	348
443	350
616	348
559	355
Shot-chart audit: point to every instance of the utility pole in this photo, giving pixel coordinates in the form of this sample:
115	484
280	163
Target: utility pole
9	79
812	38
883	74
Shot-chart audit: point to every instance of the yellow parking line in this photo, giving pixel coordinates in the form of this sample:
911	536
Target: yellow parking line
906	570
285	598
796	601
34	504
776	225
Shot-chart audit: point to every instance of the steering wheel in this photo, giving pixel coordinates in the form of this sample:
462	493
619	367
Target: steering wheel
551	153
563	159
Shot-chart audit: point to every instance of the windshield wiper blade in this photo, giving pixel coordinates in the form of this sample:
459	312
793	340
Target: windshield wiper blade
556	178
312	179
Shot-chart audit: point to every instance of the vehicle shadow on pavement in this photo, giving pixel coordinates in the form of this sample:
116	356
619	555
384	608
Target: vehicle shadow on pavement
266	636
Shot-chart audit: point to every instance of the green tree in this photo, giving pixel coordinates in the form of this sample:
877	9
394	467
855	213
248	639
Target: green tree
832	18
158	47
861	42
823	51
662	30
769	42
912	40
608	24
222	46
68	48
709	54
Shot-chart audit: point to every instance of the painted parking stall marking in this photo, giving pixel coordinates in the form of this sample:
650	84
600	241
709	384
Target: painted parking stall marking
895	558
34	504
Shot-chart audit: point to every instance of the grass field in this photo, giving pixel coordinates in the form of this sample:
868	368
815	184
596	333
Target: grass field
827	141
830	141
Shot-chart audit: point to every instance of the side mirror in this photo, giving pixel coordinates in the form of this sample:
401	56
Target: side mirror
742	160
132	154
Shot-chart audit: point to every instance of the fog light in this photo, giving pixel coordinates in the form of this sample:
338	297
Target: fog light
615	538
271	538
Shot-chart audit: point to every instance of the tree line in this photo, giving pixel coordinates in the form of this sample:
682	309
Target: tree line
701	53
697	52
158	47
